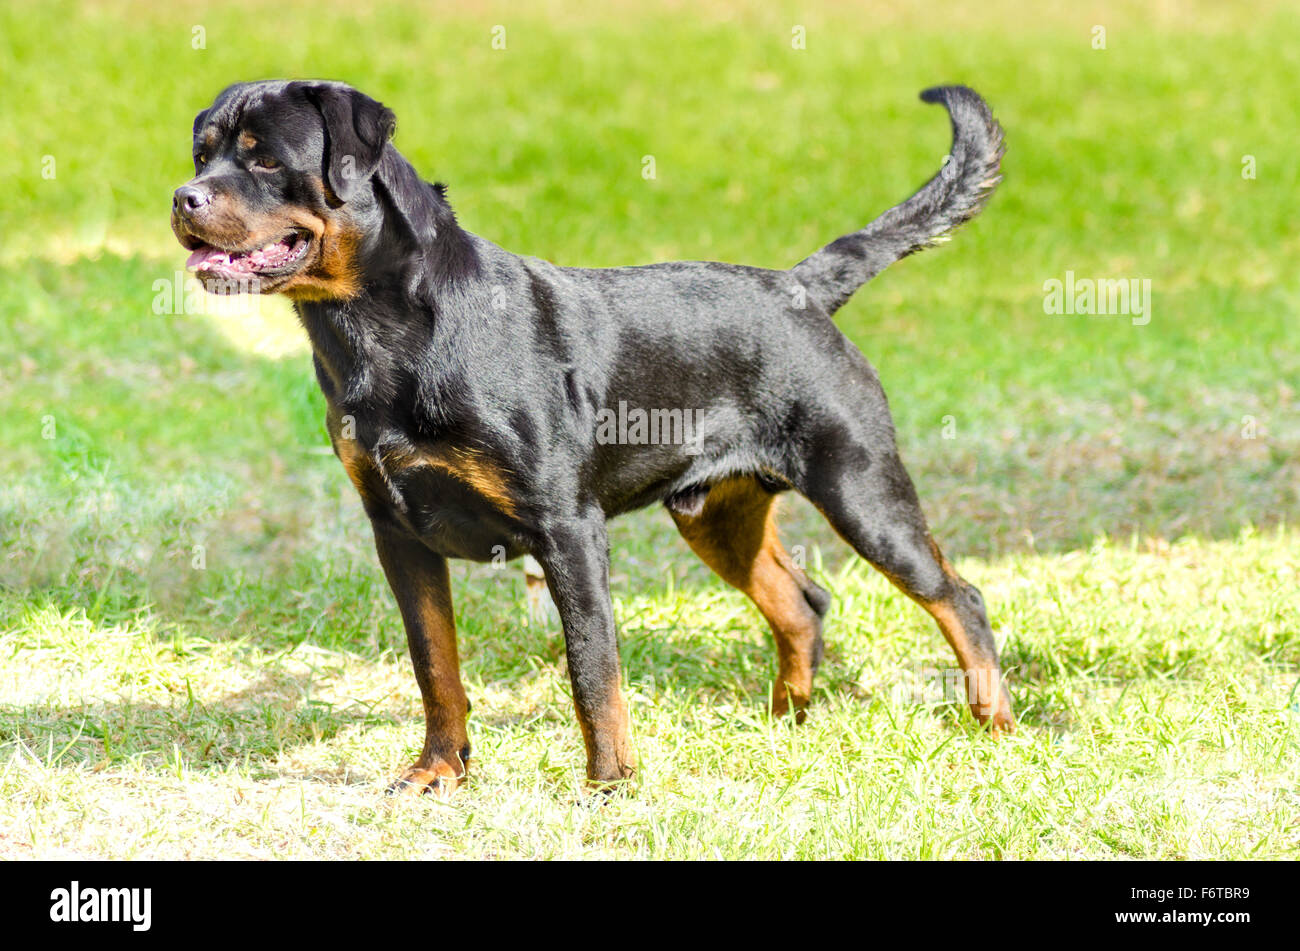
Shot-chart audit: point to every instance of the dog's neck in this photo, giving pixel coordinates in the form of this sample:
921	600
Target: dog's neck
419	215
418	270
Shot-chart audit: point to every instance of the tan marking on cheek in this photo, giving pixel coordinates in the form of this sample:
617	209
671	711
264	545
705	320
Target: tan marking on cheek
332	273
223	225
229	223
335	273
337	269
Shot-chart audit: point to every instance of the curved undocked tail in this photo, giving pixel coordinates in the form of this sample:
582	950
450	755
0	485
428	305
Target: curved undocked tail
954	195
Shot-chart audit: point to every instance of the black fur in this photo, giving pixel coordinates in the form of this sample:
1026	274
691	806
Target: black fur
449	347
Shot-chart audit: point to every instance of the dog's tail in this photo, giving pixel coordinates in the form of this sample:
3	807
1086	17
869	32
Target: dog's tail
954	195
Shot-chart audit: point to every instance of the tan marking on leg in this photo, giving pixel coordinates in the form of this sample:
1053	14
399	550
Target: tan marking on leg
986	692
444	717
425	603
605	735
736	535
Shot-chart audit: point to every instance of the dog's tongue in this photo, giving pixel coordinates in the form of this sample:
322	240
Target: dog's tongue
207	257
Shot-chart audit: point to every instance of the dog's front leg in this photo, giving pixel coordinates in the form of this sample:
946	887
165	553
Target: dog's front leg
420	581
575	560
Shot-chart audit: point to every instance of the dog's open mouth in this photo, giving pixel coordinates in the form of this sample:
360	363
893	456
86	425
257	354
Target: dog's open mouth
271	260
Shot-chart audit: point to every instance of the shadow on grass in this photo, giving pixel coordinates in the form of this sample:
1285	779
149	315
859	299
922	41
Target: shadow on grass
255	727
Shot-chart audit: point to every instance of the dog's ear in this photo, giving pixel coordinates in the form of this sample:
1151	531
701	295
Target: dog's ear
356	130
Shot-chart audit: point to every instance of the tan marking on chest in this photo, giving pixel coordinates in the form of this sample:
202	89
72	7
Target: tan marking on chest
467	466
356	462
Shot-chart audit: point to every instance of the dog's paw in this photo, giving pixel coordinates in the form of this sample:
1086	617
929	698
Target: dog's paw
439	781
1004	721
617	783
783	702
601	791
999	719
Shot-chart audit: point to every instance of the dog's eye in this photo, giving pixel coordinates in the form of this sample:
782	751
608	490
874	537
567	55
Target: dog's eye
200	159
267	163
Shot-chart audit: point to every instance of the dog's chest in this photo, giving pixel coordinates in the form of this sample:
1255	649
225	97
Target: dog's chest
457	500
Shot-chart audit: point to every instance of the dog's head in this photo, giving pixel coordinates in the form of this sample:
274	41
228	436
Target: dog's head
282	197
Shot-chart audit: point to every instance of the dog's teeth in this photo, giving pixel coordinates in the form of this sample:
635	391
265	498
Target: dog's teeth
270	247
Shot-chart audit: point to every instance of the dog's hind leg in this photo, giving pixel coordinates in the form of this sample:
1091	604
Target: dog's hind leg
870	501
735	534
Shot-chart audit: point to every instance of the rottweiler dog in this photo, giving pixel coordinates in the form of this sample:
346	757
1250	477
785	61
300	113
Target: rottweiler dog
488	405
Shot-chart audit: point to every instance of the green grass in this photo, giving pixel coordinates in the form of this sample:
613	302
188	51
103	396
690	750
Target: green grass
1125	496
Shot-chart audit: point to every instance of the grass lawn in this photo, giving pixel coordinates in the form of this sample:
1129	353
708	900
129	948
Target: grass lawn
199	656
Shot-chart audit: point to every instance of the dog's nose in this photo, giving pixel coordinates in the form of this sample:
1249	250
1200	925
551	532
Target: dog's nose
189	199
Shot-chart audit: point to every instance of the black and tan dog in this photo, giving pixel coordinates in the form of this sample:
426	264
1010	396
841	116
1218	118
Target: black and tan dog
480	401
